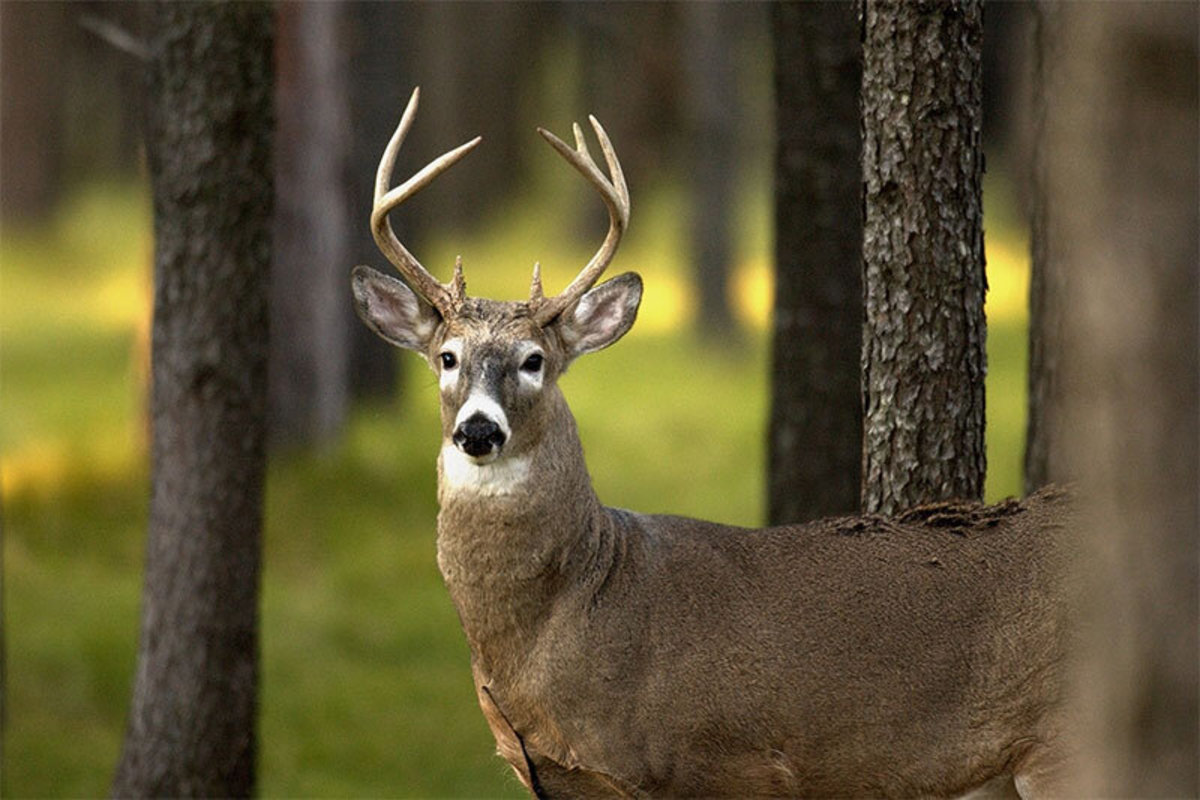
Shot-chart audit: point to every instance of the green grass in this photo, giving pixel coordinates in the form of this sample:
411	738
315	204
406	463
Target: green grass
366	687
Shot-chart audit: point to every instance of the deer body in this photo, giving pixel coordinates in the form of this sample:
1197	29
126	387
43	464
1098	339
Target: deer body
623	654
657	654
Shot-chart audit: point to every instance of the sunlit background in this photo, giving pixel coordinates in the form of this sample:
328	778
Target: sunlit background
366	688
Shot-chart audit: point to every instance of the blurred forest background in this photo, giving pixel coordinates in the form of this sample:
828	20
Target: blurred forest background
365	680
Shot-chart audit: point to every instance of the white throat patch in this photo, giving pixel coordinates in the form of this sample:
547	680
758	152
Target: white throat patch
462	473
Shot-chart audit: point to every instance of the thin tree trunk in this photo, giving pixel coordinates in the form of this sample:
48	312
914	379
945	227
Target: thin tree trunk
815	440
1121	219
310	351
923	352
377	90
1048	289
31	107
712	115
191	727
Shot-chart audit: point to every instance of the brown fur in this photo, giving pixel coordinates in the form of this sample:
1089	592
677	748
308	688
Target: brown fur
622	654
668	656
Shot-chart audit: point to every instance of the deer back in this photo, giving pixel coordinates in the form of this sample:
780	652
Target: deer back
852	655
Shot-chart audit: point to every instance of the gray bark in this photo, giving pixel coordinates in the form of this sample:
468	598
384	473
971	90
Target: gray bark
815	440
191	729
1121	219
310	348
923	354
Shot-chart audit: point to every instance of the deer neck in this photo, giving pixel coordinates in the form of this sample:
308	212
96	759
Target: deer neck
514	534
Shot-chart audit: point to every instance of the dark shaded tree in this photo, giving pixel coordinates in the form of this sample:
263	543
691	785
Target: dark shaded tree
1048	282
377	93
711	34
310	348
1116	243
644	117
923	355
469	58
32	107
815	440
191	729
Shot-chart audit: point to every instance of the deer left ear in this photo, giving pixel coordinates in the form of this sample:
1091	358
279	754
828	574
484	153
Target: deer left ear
602	316
392	310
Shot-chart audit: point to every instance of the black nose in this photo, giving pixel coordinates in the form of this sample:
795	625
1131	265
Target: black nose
477	435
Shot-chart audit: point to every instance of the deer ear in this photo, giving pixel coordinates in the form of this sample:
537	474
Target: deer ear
601	316
392	310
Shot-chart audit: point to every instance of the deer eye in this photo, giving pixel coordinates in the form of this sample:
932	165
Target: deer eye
448	360
533	363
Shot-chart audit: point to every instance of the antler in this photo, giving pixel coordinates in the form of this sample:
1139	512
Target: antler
615	194
441	296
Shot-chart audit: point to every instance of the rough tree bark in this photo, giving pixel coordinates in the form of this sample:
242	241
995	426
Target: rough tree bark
815	440
923	354
191	728
310	348
1119	227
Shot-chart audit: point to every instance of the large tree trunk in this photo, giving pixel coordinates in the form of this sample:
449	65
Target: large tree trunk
923	354
310	348
1120	228
815	440
192	724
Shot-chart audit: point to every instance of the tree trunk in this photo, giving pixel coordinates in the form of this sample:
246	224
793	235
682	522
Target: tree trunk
1121	220
711	143
378	90
1048	283
464	61
923	354
310	349
31	106
192	723
815	440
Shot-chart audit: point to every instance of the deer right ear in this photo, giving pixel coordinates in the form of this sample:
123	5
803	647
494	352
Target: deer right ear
393	310
601	316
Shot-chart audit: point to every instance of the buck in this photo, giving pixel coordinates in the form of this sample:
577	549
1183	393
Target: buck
625	654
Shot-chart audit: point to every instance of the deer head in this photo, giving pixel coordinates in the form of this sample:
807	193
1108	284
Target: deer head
496	361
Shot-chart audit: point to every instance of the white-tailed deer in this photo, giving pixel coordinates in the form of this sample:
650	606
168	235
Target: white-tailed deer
624	654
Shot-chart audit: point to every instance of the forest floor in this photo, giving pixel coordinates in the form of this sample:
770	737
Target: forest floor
366	684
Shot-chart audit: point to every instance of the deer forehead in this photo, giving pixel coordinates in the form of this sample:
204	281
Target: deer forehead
493	329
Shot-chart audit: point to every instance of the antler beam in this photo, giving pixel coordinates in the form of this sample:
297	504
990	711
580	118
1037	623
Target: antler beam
615	194
441	296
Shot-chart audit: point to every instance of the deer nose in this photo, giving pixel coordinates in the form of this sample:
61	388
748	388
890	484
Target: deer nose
477	435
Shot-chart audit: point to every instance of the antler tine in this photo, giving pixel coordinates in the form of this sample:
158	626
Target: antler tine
615	194
441	296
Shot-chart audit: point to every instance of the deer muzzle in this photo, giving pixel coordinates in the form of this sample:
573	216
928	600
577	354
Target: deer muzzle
478	435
